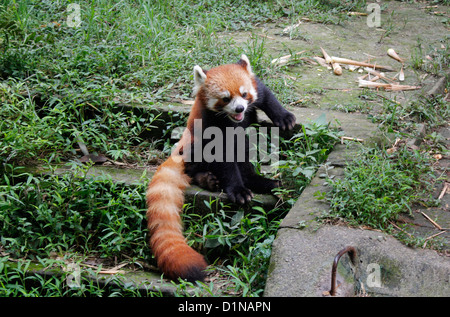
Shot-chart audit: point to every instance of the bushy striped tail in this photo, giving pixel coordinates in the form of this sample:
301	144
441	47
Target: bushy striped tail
165	198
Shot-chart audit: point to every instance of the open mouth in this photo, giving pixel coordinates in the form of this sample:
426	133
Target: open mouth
238	117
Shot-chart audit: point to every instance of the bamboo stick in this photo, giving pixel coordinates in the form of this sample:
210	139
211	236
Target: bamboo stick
375	73
444	190
401	75
395	56
284	59
357	63
431	220
337	69
387	87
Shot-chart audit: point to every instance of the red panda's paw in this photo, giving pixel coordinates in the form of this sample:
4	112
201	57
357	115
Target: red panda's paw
262	185
207	180
271	184
239	194
286	121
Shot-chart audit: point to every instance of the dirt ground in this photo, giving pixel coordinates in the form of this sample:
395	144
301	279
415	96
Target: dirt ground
404	28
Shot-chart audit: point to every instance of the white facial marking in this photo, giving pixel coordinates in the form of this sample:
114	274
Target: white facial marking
253	92
211	103
225	94
236	116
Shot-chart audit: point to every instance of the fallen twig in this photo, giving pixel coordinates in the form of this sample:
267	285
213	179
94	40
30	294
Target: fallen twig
431	237
291	27
350	139
394	87
357	63
113	270
284	59
357	13
337	69
375	73
388	87
397	227
370	84
444	190
187	102
321	62
363	77
394	55
431	220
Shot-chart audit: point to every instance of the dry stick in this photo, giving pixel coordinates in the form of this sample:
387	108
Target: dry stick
444	190
350	139
431	237
326	56
388	87
356	63
431	220
375	73
395	56
363	77
292	27
390	100
285	59
397	227
337	69
113	270
370	84
357	13
266	36
394	87
321	61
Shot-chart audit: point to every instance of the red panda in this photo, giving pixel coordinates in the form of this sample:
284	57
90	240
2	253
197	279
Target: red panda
226	97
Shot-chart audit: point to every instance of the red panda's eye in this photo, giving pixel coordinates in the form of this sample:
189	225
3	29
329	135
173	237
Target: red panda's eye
244	95
226	99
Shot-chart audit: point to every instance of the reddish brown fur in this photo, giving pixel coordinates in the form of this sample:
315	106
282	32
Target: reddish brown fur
165	201
165	194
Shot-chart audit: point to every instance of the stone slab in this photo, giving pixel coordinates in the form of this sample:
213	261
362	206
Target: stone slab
301	265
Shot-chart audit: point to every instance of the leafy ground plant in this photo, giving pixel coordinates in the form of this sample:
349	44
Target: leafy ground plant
70	213
17	279
377	187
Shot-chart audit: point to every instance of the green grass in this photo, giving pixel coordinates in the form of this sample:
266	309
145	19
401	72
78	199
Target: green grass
432	60
383	183
377	187
127	50
70	213
63	82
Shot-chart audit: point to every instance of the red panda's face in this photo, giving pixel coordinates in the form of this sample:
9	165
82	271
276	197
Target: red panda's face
228	88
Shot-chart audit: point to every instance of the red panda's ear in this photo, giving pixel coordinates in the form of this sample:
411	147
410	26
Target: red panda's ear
199	78
244	62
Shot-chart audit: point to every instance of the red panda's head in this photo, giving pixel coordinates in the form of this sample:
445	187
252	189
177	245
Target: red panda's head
228	88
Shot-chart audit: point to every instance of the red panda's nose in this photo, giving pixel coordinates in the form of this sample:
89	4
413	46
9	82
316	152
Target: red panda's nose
239	109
